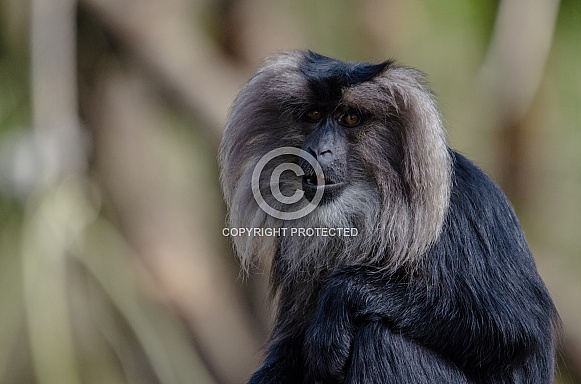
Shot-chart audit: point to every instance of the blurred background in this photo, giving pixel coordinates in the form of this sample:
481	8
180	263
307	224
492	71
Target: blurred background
113	267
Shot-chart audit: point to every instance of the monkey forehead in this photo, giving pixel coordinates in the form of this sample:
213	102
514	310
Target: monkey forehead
327	77
303	77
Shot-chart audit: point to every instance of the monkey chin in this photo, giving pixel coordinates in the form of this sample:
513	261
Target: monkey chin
331	190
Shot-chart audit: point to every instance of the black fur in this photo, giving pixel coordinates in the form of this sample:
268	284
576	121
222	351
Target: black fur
477	312
327	77
438	287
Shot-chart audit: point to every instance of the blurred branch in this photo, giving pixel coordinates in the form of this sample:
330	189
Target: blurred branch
515	63
172	356
168	229
52	222
510	78
163	36
169	226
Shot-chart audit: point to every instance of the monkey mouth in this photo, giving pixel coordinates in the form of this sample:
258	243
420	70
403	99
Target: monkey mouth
330	187
311	182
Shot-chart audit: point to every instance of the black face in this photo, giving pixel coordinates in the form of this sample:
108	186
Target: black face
329	126
328	135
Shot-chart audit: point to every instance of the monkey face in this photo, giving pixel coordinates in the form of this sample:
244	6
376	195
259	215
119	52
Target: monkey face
330	128
301	104
373	129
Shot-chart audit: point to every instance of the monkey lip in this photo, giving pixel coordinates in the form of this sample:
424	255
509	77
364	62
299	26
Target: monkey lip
310	182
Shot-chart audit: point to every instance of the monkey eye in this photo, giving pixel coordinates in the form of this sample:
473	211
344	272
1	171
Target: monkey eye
313	116
350	119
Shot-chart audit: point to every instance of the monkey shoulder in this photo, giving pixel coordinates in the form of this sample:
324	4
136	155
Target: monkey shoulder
482	241
481	225
474	192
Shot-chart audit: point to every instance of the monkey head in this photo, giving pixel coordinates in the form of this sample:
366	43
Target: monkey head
376	134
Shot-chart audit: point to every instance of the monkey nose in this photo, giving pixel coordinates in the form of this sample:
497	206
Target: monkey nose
324	155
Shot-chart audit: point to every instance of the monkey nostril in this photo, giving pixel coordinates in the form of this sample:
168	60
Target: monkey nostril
318	153
324	155
311	180
325	152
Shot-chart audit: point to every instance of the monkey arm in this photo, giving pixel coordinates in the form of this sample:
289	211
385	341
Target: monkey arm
475	299
477	334
284	360
329	338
